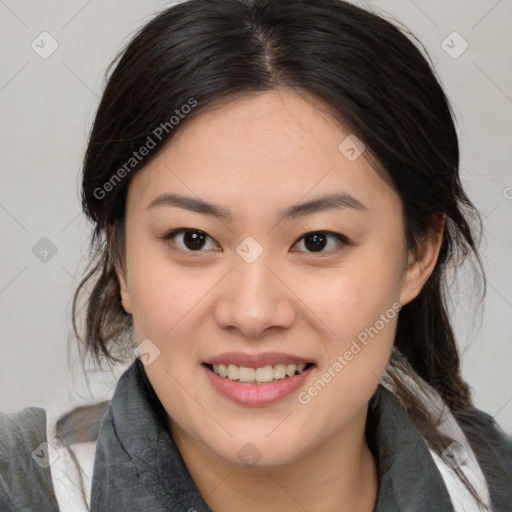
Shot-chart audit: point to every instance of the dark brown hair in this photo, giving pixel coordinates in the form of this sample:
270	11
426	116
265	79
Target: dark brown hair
378	83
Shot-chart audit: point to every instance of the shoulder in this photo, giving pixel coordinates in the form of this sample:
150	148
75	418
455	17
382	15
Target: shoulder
469	445
492	447
486	435
46	463
74	436
25	459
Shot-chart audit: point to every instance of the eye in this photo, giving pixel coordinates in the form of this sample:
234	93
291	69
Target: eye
189	240
317	241
194	240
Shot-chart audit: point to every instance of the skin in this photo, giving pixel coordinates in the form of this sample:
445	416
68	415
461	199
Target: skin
254	156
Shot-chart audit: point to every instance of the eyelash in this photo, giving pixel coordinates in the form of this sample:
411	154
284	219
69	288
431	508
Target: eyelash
342	240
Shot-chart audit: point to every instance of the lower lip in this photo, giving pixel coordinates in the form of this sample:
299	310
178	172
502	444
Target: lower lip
257	394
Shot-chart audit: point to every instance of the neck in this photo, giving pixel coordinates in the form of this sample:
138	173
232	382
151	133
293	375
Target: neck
340	474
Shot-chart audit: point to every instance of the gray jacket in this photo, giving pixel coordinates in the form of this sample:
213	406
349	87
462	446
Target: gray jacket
134	451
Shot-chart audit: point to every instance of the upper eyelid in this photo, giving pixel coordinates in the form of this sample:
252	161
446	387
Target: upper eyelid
179	231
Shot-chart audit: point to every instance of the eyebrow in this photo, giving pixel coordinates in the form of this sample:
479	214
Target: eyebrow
333	201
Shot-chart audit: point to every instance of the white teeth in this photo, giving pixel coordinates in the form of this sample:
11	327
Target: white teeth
246	374
265	374
232	372
279	371
262	374
290	369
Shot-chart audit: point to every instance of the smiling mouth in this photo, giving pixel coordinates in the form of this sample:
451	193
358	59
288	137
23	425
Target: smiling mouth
261	375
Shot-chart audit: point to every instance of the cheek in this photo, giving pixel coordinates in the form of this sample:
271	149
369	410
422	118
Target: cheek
351	298
159	295
360	310
357	307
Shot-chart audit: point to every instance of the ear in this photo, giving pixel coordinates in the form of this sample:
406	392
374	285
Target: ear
420	265
120	272
125	298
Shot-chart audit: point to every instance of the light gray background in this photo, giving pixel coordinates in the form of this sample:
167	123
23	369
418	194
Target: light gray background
47	107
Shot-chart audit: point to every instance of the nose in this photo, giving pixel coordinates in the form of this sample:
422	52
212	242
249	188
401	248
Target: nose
254	298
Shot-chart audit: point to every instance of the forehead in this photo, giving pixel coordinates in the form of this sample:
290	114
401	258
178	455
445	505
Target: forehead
258	151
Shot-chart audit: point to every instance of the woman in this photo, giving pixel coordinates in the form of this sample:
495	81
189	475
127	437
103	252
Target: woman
275	192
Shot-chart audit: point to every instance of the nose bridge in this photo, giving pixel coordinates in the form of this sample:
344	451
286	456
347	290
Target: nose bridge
254	299
254	279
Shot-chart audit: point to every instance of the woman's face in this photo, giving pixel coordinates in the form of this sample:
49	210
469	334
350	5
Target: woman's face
244	286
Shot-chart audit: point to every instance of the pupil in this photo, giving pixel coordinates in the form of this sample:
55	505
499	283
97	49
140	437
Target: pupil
317	240
193	240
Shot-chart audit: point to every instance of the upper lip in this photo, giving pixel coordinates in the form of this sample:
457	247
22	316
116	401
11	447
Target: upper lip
256	360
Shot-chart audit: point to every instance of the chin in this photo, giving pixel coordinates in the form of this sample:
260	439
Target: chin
256	450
